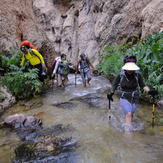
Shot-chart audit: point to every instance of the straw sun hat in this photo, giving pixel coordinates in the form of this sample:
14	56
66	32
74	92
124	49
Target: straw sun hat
131	66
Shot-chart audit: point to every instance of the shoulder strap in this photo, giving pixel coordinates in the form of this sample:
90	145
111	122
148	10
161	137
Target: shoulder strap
137	80
122	74
32	52
87	60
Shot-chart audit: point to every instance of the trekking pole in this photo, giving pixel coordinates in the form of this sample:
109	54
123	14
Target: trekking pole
75	80
57	80
52	84
109	96
152	97
153	103
109	110
153	92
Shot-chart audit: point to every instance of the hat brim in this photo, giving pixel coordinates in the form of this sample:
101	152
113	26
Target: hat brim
130	66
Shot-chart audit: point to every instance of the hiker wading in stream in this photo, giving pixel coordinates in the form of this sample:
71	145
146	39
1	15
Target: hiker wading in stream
84	68
62	69
130	80
35	58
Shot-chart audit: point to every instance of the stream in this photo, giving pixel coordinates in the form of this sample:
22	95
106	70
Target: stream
81	114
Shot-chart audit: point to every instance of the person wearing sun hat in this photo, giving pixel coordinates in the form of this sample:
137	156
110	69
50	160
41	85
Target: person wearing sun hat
129	80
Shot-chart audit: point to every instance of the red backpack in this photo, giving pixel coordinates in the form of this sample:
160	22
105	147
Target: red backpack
54	63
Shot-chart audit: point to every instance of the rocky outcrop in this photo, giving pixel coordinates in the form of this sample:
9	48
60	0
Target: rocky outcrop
7	100
90	25
76	26
22	121
18	23
151	17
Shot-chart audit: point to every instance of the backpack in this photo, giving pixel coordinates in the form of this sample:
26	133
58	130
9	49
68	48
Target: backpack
54	63
63	68
32	53
84	63
122	74
134	93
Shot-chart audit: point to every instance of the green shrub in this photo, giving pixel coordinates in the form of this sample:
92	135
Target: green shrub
110	64
20	81
149	54
21	84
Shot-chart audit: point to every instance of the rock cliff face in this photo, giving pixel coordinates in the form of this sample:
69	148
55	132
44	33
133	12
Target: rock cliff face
76	26
18	23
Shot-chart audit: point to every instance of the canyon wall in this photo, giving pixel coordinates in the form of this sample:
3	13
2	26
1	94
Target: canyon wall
76	26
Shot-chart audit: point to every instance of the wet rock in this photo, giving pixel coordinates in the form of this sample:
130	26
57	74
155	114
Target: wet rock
46	144
22	121
32	105
64	105
160	104
92	100
8	100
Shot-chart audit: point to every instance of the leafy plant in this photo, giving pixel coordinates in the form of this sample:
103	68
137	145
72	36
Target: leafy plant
20	81
149	54
2	98
21	84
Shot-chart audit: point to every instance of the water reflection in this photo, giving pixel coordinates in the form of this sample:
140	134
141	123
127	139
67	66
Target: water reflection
99	139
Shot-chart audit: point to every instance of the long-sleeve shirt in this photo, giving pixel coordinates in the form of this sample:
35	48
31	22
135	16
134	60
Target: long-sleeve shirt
34	59
129	85
58	59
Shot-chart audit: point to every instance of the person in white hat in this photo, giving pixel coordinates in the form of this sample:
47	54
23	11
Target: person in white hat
130	80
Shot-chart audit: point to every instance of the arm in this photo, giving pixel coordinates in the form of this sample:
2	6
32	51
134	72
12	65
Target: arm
114	87
23	61
77	67
40	57
142	84
115	83
56	67
90	64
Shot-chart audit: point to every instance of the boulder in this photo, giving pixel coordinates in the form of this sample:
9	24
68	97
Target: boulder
8	101
22	121
160	104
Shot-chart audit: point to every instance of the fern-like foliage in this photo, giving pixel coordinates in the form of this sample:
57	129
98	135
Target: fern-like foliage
20	81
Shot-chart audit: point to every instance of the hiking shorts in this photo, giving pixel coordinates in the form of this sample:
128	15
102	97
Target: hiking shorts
127	106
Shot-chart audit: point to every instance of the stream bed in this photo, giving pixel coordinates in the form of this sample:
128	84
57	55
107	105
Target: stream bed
79	116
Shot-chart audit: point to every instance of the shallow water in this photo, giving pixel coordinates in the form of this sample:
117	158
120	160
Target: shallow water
100	140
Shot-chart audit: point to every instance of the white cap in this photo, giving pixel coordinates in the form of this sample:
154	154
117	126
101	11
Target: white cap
131	66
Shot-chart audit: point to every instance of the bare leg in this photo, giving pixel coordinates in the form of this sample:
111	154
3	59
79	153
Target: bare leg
128	118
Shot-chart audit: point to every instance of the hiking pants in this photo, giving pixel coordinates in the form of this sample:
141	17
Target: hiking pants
62	81
39	67
84	75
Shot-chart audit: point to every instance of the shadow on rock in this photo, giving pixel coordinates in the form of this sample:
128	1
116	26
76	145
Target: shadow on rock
64	105
92	100
41	144
47	145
